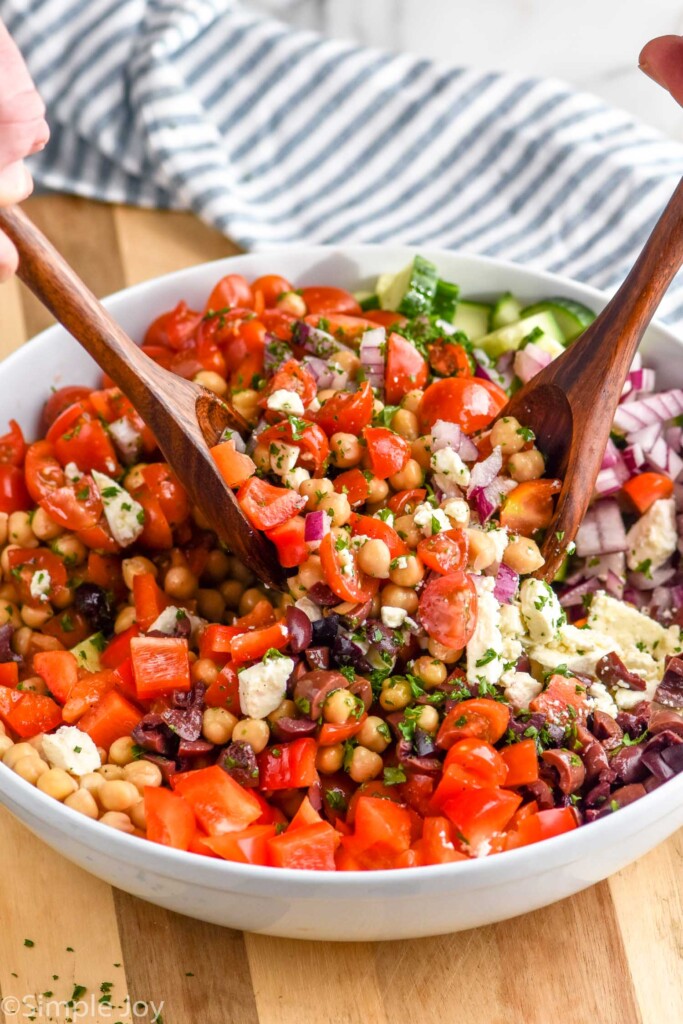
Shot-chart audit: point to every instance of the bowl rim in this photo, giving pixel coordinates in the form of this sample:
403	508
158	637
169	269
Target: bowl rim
482	872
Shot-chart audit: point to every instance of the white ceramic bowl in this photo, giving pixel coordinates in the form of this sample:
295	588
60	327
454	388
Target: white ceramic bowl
306	904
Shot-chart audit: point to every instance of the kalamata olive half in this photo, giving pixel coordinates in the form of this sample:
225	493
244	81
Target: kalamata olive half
300	630
93	604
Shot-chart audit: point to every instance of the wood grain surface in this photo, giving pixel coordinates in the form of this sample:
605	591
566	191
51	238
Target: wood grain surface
611	955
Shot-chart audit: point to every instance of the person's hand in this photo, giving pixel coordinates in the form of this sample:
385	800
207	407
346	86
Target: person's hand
23	130
662	60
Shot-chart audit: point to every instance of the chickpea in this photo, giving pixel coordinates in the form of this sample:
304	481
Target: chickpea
345	450
337	507
409	477
396	694
253	731
407	530
482	550
292	303
30	769
508	435
138	815
326	394
16	751
19	530
125	619
117	795
21	641
231	591
6	745
9	614
143	773
374	734
404	422
134	477
526	465
122	751
137	566
212	381
364	764
217	566
411	400
118	820
239	571
246	403
91	782
56	783
375	607
64	598
374	558
330	759
311	572
111	772
523	555
339	707
349	362
180	583
4	528
408	574
313	490
261	456
378	491
399	597
44	527
84	802
8	591
428	719
34	684
200	519
218	725
35	617
70	548
287	709
4	561
430	671
249	599
204	670
211	604
447	655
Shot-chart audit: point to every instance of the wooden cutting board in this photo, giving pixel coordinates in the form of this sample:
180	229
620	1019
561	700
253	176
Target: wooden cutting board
611	955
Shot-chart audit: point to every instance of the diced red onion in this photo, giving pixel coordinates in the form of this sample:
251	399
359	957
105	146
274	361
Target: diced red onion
316	525
634	458
674	438
371	354
602	530
276	353
254	436
649	409
662	597
530	360
327	373
574	595
664	459
637	363
614	585
642	379
507	582
603	565
485	472
488	499
612	455
646	437
677	595
610	481
485	371
449	435
656	579
318	343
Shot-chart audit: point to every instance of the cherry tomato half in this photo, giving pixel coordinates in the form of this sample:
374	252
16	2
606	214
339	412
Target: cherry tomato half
448	609
468	401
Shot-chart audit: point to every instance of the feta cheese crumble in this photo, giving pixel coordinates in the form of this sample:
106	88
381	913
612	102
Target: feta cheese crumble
431	520
653	538
484	661
127	439
286	401
457	510
393	617
449	468
72	750
41	582
520	689
295	477
125	516
541	610
283	457
263	687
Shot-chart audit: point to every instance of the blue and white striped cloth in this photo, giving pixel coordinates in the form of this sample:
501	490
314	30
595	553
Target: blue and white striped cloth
278	136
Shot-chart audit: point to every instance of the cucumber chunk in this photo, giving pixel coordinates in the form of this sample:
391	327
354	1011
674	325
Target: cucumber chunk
505	311
472	318
87	653
367	300
572	317
445	300
411	291
510	338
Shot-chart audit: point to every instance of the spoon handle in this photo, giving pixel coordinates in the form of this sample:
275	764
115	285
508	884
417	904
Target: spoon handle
51	279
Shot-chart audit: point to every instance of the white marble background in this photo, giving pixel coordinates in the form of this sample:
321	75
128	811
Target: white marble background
593	44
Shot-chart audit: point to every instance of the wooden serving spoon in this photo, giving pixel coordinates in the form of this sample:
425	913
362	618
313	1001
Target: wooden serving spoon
186	419
570	404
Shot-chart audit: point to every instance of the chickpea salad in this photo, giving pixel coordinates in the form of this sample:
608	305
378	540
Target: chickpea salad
417	697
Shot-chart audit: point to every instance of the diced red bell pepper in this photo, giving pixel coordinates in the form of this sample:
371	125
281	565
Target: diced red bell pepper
288	538
542	825
311	847
563	699
9	674
267	506
149	599
247	847
521	761
331	733
306	815
160	665
436	845
235	467
253	645
118	650
388	452
478	814
86	693
224	691
220	804
170	819
354	484
27	713
215	641
59	671
111	719
288	765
